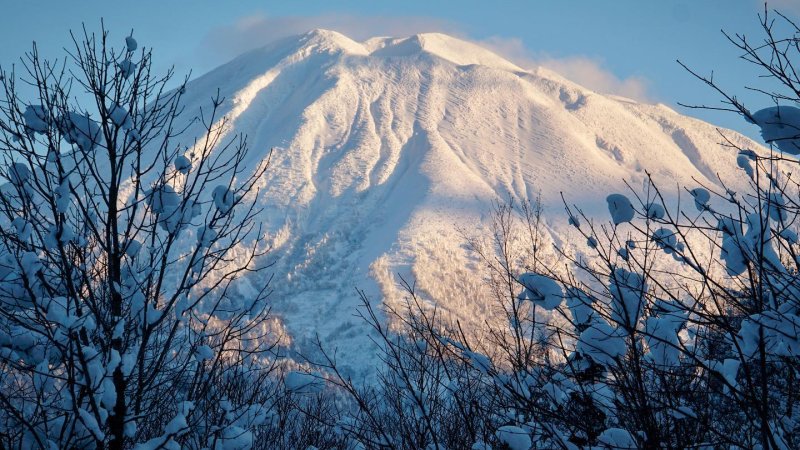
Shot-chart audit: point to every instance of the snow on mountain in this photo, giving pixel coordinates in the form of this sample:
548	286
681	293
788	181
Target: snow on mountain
384	149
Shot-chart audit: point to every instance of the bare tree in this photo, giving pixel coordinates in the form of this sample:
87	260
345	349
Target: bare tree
123	238
679	328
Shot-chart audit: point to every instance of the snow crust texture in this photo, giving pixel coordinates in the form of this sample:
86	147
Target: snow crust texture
384	149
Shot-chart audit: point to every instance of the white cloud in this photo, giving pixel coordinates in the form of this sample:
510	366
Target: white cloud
511	48
589	72
258	30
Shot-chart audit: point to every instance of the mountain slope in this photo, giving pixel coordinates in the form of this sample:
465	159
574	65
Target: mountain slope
385	148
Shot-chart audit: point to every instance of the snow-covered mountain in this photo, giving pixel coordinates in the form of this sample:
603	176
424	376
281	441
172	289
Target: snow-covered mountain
384	149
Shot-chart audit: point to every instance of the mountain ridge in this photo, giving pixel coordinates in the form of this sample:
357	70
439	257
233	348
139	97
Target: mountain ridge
384	148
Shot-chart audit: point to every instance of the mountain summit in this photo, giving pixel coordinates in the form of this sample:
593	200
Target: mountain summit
385	149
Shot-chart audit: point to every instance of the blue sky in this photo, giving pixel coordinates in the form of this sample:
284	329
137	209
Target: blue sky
627	47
